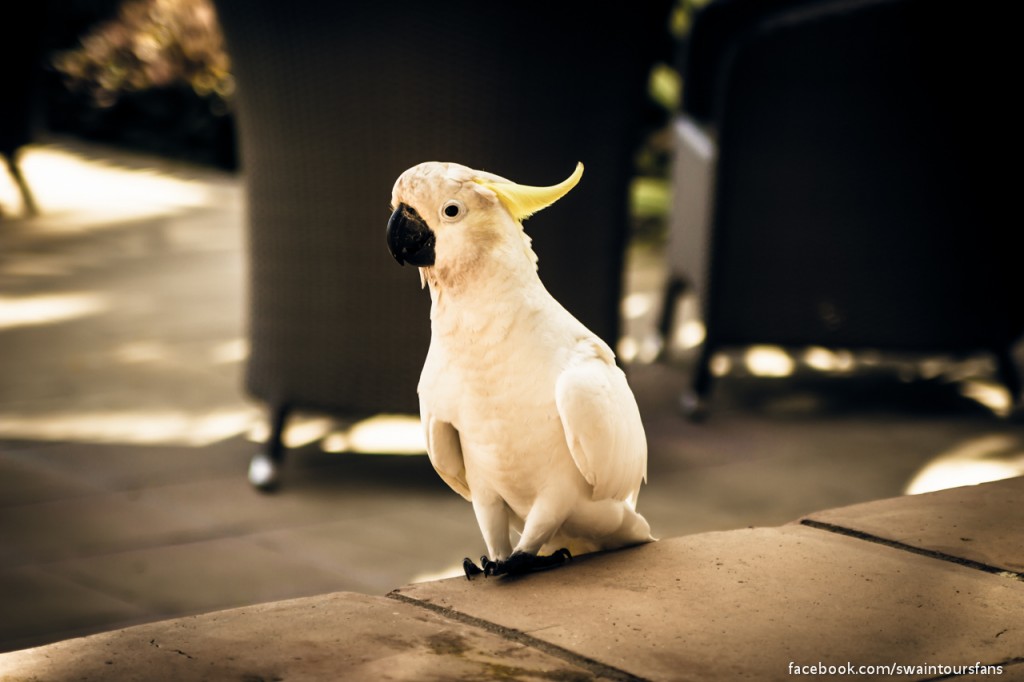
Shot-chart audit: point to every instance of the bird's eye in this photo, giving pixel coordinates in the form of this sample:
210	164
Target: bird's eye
452	210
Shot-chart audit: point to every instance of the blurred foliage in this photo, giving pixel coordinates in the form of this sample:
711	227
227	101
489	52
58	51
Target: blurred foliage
650	191
151	44
666	87
150	75
682	17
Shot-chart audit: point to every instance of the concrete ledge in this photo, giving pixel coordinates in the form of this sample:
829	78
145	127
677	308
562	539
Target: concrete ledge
983	525
744	604
342	636
890	582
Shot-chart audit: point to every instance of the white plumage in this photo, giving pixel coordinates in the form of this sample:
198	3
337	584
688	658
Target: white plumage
525	412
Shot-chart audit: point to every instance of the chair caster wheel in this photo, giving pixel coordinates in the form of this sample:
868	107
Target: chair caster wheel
264	472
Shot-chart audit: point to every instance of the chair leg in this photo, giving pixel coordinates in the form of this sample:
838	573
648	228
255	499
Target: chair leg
31	208
694	402
673	290
265	466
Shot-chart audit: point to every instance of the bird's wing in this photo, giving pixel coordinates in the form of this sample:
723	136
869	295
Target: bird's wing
602	424
445	452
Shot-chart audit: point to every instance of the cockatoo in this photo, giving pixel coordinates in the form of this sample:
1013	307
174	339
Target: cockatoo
525	412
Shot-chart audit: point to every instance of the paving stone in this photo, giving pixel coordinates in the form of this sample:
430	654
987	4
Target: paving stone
24	481
337	637
87	525
110	522
125	467
40	607
202	576
388	556
983	523
746	604
232	505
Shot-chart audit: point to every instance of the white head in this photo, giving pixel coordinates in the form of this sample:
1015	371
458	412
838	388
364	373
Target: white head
452	220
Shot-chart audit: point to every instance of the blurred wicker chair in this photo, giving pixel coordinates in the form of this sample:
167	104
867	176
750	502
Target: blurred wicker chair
836	181
336	99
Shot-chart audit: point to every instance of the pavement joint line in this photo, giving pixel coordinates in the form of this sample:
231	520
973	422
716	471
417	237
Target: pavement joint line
601	670
930	553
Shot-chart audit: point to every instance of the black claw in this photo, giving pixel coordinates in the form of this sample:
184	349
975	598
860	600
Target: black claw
470	568
563	555
517	564
521	562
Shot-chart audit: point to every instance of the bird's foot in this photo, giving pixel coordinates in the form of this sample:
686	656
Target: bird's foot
470	568
486	567
522	562
517	564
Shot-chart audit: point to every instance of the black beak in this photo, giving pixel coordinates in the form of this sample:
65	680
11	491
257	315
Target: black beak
409	238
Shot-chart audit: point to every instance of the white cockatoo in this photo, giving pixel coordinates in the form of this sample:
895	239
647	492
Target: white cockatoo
526	414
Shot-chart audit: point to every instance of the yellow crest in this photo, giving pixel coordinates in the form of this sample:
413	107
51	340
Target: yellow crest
522	201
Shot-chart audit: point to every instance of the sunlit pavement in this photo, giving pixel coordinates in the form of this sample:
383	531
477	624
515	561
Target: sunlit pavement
124	434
